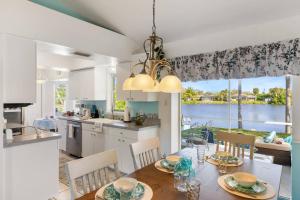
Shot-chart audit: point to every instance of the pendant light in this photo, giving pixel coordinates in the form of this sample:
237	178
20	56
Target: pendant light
148	80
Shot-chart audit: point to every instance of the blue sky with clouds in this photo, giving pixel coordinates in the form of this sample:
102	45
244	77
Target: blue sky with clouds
263	83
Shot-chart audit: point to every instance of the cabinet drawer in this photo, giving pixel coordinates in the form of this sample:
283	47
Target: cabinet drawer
123	133
92	127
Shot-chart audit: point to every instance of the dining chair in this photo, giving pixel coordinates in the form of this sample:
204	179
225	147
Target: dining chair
235	143
92	172
145	152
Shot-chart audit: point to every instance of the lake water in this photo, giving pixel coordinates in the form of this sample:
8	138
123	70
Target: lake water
255	117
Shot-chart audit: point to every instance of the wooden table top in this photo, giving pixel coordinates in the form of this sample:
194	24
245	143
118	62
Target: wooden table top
162	183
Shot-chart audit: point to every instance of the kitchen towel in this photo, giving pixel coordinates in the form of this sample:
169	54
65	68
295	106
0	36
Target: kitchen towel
71	131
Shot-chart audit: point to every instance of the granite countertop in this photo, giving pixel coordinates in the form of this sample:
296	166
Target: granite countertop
132	126
149	123
30	138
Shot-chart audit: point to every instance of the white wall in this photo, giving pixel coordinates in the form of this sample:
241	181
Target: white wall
30	20
169	132
288	28
1	124
296	108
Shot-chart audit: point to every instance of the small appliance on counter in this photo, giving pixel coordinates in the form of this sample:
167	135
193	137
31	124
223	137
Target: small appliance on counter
94	112
126	116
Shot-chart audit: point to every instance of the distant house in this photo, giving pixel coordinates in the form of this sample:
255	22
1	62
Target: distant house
245	97
207	97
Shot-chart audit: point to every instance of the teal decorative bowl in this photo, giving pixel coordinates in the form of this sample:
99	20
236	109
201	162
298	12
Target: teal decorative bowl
110	193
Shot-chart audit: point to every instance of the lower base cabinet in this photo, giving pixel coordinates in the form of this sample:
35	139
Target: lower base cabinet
120	140
93	140
62	130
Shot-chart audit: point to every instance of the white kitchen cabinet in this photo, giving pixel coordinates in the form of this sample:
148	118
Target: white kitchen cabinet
62	130
93	139
88	84
120	140
123	72
19	69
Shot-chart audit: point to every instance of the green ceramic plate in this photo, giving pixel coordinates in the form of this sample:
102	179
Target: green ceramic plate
165	164
110	193
258	188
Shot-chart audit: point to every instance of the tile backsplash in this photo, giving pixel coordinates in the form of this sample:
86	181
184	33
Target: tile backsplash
145	107
101	105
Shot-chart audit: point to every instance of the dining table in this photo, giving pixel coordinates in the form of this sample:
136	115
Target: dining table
162	183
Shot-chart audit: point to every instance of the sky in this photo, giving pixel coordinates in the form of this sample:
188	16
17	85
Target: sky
263	83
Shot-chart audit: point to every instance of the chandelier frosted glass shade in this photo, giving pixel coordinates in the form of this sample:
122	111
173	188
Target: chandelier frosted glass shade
155	88
143	82
170	84
127	85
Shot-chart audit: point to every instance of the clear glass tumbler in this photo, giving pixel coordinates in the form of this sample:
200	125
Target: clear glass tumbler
193	189
201	153
222	165
180	182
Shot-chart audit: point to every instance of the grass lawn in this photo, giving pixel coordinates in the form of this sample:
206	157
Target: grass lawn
197	131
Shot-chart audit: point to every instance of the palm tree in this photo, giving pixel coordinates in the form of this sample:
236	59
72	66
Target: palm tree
288	114
240	122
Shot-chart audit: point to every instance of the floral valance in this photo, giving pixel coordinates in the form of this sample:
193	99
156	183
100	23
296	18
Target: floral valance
273	59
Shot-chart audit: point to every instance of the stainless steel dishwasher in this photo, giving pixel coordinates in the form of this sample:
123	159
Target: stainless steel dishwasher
74	138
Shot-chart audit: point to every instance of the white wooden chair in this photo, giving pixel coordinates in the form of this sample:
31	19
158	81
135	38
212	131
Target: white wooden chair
145	152
92	172
234	143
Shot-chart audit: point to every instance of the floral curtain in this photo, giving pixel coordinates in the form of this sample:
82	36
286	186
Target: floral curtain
273	59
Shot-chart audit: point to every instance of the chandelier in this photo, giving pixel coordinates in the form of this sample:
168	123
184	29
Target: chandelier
149	79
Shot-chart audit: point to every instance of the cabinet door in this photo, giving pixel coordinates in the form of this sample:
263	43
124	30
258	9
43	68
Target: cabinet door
101	83
127	160
123	72
87	84
62	130
99	142
88	138
19	69
74	85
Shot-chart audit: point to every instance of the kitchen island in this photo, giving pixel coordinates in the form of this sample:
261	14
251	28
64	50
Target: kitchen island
31	165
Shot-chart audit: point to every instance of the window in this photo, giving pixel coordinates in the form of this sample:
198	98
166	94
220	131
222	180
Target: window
117	104
254	106
60	97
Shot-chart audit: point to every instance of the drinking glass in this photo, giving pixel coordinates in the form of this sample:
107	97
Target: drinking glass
180	182
222	164
193	189
201	153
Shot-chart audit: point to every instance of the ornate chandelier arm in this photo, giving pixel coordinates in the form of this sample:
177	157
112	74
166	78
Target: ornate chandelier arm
162	63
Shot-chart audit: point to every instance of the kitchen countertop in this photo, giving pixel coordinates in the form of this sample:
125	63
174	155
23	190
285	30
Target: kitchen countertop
30	138
149	123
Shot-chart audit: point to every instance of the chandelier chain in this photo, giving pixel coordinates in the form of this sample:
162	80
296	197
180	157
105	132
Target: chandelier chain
154	26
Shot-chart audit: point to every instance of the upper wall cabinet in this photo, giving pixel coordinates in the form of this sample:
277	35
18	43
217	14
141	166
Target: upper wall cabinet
88	84
123	72
19	69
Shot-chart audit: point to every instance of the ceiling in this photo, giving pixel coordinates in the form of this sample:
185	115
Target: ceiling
61	58
176	19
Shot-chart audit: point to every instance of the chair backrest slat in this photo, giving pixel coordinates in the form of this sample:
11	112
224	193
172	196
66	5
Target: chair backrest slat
235	140
86	172
145	152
